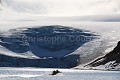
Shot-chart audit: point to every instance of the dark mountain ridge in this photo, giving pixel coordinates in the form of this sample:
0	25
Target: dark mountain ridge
114	56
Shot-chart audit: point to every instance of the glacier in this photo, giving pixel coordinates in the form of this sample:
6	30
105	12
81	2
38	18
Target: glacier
29	46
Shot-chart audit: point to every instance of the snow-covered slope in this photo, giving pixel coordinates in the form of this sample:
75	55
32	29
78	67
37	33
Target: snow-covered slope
46	41
83	55
51	44
109	61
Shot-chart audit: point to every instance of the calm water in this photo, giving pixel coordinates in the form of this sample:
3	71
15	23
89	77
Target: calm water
67	74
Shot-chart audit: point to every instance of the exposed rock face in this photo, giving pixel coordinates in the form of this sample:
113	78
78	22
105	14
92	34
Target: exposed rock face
113	56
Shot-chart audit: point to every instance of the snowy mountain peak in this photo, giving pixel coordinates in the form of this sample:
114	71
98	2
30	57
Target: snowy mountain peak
43	44
46	41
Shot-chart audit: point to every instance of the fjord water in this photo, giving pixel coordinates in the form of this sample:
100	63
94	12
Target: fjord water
66	74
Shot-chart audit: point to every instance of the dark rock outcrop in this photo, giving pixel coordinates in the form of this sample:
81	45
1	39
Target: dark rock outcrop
114	55
55	72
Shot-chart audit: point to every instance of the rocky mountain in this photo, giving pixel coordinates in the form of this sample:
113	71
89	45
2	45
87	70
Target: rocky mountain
108	61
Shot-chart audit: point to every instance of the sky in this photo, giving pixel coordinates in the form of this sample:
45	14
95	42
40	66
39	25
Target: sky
63	7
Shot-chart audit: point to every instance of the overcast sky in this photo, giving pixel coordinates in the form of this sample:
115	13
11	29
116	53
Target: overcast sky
64	7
